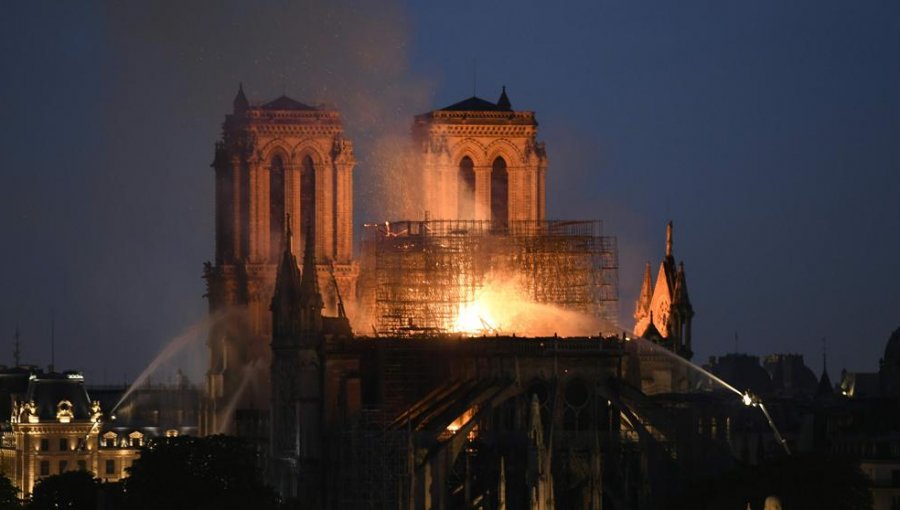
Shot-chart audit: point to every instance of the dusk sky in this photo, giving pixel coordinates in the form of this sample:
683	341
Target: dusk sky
768	131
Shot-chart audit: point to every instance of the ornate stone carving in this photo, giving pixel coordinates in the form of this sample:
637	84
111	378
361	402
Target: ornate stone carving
64	411
96	413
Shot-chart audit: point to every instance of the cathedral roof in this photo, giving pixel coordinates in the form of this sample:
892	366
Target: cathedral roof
476	104
824	389
285	103
503	102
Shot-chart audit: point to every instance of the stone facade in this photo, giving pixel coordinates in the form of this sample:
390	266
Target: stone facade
53	427
663	313
482	160
281	161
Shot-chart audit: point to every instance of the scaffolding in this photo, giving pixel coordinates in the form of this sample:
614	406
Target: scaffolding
423	272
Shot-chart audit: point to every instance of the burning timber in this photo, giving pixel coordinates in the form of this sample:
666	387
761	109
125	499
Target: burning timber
419	275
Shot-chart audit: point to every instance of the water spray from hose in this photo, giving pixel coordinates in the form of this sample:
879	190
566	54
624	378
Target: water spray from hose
747	398
751	400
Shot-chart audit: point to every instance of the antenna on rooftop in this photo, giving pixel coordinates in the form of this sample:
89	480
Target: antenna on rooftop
52	340
16	351
735	342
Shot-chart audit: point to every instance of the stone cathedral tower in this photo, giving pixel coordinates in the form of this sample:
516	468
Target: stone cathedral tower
482	161
276	160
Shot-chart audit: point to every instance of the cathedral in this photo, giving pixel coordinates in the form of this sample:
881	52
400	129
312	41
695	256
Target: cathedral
419	413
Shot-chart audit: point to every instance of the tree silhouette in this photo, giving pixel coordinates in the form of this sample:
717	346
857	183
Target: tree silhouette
75	490
215	472
800	481
9	494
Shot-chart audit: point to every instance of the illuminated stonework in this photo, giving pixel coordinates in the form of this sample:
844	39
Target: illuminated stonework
280	161
664	313
54	428
482	161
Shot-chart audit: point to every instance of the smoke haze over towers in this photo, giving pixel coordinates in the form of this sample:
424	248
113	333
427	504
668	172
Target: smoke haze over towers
766	131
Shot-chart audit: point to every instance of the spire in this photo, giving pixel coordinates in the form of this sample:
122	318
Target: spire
681	293
287	280
309	283
288	234
825	389
503	102
240	100
642	307
342	313
669	240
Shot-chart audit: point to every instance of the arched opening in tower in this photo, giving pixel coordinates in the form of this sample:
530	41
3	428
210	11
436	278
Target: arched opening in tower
465	203
276	207
307	200
499	193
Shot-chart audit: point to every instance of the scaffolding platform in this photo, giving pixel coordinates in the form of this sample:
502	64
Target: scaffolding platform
418	274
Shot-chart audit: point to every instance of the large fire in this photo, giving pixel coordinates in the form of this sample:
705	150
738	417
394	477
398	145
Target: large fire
502	306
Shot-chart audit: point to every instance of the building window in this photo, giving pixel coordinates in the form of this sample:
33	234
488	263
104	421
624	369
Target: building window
82	465
307	200
110	467
109	439
136	439
63	444
45	444
63	466
45	467
499	193
276	206
465	194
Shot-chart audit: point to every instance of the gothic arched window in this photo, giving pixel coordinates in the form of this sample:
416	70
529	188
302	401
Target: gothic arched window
276	206
307	221
465	202
499	193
